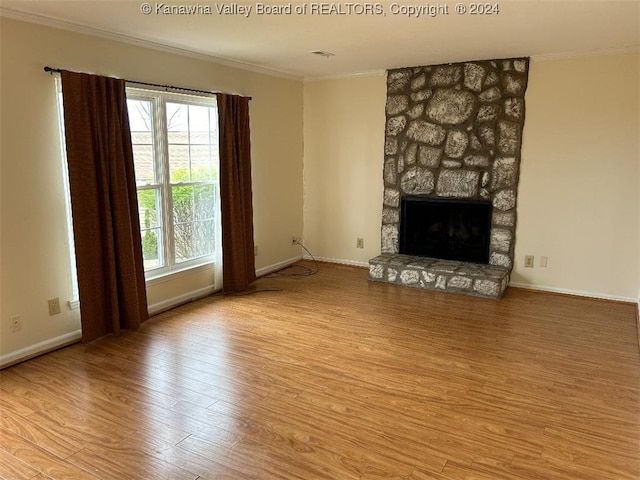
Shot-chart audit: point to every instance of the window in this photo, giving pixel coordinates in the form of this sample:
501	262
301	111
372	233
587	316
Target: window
175	150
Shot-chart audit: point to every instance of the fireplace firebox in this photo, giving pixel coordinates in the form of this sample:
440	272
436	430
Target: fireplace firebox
445	229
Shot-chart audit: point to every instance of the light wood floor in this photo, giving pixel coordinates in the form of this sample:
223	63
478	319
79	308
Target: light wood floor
338	378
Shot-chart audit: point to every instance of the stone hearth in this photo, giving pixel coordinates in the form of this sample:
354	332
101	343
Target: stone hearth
453	131
433	274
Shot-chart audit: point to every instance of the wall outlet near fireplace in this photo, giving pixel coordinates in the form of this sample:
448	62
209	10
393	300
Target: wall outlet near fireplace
528	261
16	323
359	242
543	261
54	306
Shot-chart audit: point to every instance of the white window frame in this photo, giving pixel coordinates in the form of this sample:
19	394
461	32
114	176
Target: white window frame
158	99
74	302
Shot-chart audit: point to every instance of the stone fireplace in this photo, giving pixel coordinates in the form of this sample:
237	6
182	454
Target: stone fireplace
453	132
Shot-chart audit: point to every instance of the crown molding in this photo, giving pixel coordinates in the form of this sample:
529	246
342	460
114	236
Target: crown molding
586	53
537	58
370	73
140	42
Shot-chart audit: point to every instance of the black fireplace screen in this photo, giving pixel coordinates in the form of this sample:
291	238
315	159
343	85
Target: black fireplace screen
446	229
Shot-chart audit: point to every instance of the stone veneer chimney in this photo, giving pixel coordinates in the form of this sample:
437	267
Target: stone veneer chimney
454	131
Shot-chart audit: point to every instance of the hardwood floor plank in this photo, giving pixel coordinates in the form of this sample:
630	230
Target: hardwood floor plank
528	467
252	457
11	403
51	440
40	459
475	471
345	440
81	427
119	463
335	377
12	468
588	447
205	467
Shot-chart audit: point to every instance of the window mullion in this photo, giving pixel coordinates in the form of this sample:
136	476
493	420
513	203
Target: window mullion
163	173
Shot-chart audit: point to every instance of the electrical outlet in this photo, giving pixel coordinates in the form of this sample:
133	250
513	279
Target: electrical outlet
255	250
359	242
543	261
528	261
295	240
16	323
54	306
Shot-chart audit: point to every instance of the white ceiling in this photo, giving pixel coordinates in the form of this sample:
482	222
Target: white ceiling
281	44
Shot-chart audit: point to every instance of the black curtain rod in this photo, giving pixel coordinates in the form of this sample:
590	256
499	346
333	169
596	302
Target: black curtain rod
58	70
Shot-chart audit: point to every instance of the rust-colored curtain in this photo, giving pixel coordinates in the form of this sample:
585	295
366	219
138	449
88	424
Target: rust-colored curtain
104	205
238	261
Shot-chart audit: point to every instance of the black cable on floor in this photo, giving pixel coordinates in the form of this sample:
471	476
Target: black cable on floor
307	271
246	293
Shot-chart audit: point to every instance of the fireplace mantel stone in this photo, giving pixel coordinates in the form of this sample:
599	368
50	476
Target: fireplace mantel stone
454	131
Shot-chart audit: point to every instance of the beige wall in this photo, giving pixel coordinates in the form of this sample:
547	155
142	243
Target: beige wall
579	191
343	142
34	258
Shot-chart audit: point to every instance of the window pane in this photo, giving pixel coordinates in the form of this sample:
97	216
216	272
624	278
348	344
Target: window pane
150	227
141	138
198	125
179	163
177	123
152	248
203	201
193	221
139	115
149	208
191	157
143	162
182	219
140	122
201	163
194	240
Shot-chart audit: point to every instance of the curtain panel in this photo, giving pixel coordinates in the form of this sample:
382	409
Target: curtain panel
104	205
238	260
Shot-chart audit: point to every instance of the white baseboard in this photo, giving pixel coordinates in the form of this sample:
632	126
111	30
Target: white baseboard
261	272
154	309
40	348
353	263
172	302
578	293
541	288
